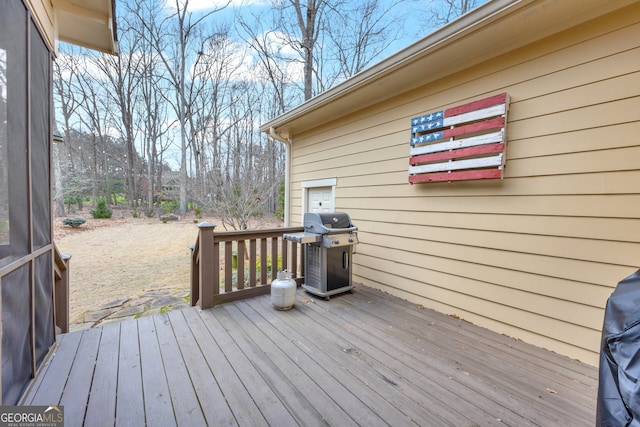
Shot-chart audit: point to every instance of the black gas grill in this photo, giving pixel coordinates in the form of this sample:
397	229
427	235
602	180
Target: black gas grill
329	239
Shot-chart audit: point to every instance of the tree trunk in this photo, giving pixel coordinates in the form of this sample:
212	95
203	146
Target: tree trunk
57	172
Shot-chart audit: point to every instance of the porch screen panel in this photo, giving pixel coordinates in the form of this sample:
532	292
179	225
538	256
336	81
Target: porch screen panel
4	163
16	334
40	139
15	287
13	44
44	329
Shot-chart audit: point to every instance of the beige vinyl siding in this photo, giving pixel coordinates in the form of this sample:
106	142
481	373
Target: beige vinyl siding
536	255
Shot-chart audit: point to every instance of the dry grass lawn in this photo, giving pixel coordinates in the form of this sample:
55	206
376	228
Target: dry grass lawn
126	256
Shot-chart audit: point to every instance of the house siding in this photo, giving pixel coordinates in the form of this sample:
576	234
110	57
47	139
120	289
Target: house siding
536	255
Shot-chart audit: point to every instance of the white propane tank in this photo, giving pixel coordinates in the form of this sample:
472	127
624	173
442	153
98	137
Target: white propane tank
283	291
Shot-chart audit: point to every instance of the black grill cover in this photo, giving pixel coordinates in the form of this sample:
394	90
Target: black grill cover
619	382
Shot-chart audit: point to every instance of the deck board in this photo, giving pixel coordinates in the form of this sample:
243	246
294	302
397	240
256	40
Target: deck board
366	358
129	389
76	392
305	400
548	361
484	371
537	375
57	373
478	371
239	400
157	399
102	398
184	399
331	374
271	408
438	388
353	385
212	401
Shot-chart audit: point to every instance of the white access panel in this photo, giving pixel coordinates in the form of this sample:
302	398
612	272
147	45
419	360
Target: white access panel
320	199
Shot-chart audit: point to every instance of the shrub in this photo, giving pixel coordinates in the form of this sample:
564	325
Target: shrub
74	222
280	209
198	212
149	213
169	206
102	210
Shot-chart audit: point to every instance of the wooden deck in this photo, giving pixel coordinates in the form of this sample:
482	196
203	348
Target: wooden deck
360	359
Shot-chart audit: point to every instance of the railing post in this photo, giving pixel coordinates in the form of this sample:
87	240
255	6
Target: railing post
194	274
61	292
208	266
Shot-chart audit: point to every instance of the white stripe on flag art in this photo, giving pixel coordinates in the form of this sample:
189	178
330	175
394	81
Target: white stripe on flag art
466	142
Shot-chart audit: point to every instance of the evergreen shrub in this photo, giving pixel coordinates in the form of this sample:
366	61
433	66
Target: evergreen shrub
74	222
102	210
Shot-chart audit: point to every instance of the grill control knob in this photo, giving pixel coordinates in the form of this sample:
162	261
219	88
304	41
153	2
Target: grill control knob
350	239
336	242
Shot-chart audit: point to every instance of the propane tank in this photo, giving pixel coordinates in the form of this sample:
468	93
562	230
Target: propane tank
283	291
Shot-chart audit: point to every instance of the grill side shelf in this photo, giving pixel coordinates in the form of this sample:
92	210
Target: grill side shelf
302	237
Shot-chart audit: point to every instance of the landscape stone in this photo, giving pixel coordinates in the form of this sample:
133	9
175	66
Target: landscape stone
140	301
115	303
148	304
151	312
168	300
94	316
75	327
169	217
128	311
156	293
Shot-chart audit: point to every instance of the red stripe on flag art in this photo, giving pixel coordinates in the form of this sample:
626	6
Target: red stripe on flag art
466	142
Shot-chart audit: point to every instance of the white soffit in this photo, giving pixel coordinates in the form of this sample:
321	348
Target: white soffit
87	23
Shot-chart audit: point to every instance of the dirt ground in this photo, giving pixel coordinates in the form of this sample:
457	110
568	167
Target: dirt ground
125	256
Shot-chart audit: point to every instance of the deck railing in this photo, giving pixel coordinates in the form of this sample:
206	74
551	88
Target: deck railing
231	265
61	290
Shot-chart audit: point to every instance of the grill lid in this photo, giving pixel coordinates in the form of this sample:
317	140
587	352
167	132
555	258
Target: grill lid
328	223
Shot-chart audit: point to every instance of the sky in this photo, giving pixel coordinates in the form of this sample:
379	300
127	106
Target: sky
414	13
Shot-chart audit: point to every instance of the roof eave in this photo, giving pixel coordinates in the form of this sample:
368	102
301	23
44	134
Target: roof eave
88	23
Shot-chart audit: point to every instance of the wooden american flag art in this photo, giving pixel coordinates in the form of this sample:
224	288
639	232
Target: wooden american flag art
465	142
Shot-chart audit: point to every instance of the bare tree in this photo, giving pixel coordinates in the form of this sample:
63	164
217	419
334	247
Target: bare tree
360	33
152	112
154	125
333	39
267	47
122	77
65	69
309	19
209	98
445	11
95	113
173	39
